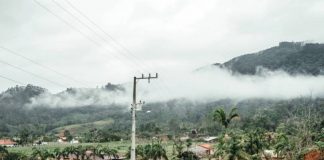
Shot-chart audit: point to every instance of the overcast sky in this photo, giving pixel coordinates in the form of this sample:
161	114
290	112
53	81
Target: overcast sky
165	36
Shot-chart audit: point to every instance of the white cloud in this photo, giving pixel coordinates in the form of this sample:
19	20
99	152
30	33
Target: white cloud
170	37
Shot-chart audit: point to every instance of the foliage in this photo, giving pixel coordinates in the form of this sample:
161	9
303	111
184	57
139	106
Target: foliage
153	151
254	142
292	57
221	116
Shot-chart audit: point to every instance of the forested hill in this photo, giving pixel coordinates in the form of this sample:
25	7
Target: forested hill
292	57
175	117
16	114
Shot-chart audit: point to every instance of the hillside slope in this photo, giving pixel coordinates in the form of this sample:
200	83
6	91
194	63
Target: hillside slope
292	57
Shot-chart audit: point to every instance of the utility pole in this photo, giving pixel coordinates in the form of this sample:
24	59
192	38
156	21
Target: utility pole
133	108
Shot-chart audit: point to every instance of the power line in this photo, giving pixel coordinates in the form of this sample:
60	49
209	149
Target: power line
91	29
41	65
12	80
102	30
76	29
129	52
31	73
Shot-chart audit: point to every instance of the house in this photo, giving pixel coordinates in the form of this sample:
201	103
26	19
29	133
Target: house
164	137
202	150
184	138
7	143
74	141
314	155
270	155
62	138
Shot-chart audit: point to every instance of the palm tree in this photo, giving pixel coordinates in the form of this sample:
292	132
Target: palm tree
155	151
80	152
235	150
178	146
221	148
42	154
100	152
106	151
36	153
283	146
96	151
188	144
158	152
57	153
220	116
254	142
67	151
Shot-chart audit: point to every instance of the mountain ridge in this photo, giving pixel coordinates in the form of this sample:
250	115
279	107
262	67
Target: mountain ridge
291	57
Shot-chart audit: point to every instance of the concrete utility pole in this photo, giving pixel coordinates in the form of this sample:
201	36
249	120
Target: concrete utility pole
133	108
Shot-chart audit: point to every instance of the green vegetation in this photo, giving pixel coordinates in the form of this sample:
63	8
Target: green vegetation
251	130
292	57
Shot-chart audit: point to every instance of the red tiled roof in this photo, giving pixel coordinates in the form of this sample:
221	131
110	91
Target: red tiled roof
207	146
6	142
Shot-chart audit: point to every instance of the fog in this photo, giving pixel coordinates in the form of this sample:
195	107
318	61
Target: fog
207	84
213	83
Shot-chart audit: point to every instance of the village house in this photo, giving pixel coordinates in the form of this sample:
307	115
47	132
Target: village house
7	143
202	150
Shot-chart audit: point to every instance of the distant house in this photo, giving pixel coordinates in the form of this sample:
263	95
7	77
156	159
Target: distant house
164	137
7	143
314	155
74	141
62	139
202	150
270	154
184	138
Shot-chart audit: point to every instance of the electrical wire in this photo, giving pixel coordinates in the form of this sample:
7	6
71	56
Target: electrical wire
33	74
79	31
129	52
41	65
98	35
12	80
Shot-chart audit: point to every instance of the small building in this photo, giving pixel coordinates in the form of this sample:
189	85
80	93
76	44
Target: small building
270	154
62	139
7	143
74	141
164	137
202	150
184	138
314	154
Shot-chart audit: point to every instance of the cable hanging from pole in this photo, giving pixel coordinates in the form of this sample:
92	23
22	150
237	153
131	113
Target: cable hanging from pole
137	61
12	80
41	65
33	74
82	33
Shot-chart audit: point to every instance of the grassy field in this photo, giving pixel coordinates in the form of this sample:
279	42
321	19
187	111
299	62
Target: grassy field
81	128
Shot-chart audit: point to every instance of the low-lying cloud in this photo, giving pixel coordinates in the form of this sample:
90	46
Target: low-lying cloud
209	84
